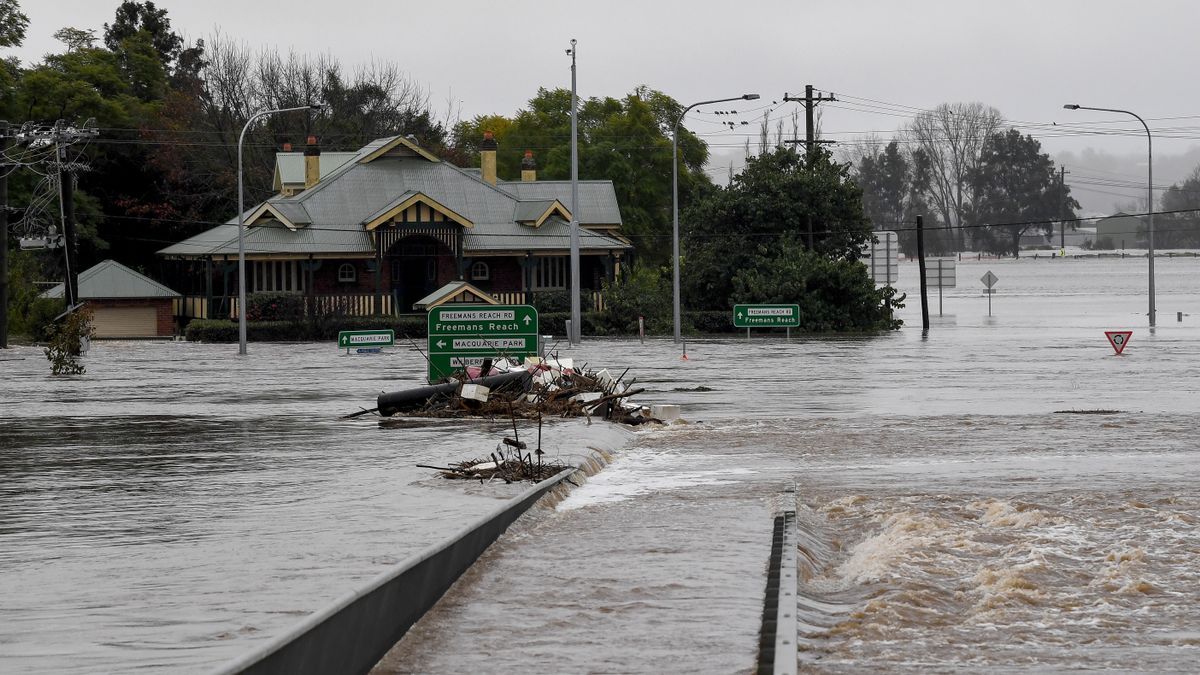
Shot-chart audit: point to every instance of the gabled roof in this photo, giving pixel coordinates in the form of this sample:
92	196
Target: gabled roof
455	292
289	167
331	218
397	142
536	212
597	198
111	279
406	200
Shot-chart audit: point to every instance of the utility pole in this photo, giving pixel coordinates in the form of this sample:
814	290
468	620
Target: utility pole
921	270
1062	193
4	143
810	140
573	337
66	193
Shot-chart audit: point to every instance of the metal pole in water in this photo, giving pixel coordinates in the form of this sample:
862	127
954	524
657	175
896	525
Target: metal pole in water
921	266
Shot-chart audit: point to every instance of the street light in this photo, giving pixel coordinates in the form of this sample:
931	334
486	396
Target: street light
675	195
242	225
1149	189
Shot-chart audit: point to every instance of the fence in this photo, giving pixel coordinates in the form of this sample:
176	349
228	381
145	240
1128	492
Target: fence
226	307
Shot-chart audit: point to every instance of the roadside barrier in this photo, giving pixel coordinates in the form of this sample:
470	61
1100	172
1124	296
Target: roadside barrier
353	633
777	638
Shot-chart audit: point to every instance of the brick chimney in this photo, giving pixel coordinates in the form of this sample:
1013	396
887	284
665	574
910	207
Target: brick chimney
312	163
487	157
528	168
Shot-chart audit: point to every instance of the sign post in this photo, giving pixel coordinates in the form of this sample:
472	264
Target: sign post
366	341
882	258
1118	339
989	280
464	335
766	316
940	272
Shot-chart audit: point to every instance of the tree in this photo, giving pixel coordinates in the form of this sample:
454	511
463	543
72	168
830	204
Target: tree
745	242
135	17
1016	190
13	23
626	140
952	137
75	38
1181	229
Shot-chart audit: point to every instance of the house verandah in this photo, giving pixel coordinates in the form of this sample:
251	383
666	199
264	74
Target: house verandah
384	230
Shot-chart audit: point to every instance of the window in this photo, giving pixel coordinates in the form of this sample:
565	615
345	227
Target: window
347	273
550	273
480	271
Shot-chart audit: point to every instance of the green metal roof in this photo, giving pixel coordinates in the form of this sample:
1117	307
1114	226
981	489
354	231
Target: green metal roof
289	166
111	279
330	215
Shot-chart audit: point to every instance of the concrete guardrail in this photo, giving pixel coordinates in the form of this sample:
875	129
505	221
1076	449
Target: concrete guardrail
353	633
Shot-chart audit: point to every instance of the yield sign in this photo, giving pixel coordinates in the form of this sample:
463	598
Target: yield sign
1118	339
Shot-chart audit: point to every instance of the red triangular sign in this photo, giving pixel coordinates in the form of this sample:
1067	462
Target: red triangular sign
1118	339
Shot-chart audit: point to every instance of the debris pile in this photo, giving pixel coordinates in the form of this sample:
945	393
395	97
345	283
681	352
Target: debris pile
533	389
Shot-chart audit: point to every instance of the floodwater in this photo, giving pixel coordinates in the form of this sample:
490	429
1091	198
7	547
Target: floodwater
178	505
1004	493
958	508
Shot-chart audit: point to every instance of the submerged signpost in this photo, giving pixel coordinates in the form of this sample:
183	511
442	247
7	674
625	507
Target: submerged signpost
941	272
989	280
365	341
766	316
465	335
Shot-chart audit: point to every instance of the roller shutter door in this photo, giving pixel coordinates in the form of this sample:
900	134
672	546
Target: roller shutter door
125	322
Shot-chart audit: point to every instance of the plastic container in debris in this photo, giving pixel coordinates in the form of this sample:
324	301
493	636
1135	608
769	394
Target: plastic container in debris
475	392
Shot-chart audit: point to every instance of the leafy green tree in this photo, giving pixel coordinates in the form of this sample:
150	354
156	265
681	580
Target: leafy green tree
75	38
13	23
833	294
625	140
1016	190
135	17
748	242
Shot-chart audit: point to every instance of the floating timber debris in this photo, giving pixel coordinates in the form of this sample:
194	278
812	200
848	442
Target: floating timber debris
533	389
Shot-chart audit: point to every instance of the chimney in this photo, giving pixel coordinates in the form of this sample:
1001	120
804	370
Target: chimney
528	168
312	163
487	157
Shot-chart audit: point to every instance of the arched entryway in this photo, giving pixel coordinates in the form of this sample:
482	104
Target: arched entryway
417	265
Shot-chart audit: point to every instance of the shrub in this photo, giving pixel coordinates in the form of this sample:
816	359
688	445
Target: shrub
275	306
66	342
211	330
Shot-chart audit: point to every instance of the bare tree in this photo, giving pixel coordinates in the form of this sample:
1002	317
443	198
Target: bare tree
952	136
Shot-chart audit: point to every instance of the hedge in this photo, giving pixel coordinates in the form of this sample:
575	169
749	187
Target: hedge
209	330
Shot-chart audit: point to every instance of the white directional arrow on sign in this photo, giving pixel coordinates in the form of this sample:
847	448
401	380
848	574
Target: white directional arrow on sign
528	319
440	343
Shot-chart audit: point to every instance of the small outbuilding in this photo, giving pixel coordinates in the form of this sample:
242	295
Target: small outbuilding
124	304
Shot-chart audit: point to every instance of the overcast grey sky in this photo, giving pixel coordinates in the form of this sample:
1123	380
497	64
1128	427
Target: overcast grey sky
883	59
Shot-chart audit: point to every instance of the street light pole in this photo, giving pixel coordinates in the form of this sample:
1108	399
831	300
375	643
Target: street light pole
675	197
573	337
1149	190
242	224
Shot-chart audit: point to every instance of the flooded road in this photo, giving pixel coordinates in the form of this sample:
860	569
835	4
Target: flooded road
958	509
177	504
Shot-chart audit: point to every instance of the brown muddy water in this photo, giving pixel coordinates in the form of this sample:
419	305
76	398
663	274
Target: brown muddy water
951	518
177	505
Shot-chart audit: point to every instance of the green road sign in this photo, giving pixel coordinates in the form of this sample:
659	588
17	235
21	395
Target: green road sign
766	316
464	335
366	338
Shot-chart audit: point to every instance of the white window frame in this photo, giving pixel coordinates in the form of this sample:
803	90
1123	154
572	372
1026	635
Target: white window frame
480	271
347	273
